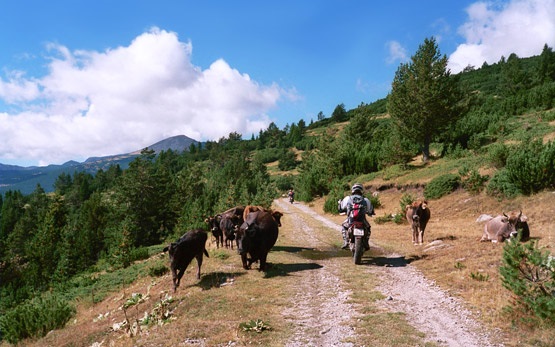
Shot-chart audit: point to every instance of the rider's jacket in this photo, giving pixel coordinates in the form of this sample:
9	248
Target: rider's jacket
346	205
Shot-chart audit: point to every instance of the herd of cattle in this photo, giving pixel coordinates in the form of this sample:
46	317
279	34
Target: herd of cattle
254	230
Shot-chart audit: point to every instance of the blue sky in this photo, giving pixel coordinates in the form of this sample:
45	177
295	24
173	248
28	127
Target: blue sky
93	78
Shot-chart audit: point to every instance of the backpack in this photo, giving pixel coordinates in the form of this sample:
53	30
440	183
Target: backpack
358	211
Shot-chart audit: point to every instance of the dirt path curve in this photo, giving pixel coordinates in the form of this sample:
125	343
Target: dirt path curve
323	314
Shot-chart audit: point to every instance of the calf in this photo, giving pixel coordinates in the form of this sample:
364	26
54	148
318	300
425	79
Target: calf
214	226
230	221
190	245
418	215
228	225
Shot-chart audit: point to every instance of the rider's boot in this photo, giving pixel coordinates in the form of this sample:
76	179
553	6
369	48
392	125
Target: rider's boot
345	240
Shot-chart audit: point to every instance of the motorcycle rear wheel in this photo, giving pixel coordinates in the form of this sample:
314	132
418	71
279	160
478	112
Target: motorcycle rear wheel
357	253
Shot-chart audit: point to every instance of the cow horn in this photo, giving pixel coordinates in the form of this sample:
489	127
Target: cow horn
520	214
505	215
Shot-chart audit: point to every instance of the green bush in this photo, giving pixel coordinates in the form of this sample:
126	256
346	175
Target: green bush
529	273
158	270
140	253
336	193
472	181
498	154
35	318
406	199
441	186
531	166
501	187
284	183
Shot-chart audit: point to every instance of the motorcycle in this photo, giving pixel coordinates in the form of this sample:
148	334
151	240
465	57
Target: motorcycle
358	236
291	198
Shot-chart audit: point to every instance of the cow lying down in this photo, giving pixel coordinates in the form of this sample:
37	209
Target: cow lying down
502	227
191	245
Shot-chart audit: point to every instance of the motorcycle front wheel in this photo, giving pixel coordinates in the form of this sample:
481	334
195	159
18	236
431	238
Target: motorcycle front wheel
357	253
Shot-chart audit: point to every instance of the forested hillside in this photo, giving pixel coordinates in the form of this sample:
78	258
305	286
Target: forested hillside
497	127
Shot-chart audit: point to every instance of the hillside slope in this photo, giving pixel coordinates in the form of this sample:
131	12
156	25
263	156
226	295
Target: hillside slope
312	281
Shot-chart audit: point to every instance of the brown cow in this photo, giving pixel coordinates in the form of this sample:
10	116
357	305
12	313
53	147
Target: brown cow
190	245
418	215
502	227
251	208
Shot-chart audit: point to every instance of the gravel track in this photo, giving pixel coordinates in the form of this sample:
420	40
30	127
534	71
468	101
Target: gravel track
323	313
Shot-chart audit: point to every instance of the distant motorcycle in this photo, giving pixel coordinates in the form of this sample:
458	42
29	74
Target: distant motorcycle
291	198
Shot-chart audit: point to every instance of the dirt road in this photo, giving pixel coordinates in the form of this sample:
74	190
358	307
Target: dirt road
323	311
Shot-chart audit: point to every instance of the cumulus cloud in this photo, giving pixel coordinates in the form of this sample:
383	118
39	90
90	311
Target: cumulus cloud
397	53
522	27
100	103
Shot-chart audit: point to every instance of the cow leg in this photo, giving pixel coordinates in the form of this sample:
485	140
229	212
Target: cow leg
414	235
421	237
177	279
262	262
246	266
174	278
199	264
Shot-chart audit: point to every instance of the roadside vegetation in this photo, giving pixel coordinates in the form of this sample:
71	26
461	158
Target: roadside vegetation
492	140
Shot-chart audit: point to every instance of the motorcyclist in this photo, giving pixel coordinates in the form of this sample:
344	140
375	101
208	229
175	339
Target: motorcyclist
346	205
291	195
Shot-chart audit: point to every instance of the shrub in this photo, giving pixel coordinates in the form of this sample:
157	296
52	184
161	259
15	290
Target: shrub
284	183
35	318
498	154
500	186
336	193
529	273
140	253
441	186
406	199
158	270
531	166
472	181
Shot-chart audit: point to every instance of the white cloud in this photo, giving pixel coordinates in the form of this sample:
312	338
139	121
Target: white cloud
396	52
522	27
100	103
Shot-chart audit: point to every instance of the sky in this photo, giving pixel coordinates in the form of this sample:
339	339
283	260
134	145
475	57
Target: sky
83	79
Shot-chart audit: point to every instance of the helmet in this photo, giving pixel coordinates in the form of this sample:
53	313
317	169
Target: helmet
357	187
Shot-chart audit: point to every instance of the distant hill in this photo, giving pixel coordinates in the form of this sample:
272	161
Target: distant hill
25	179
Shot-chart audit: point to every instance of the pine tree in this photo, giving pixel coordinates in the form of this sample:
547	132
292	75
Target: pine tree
424	96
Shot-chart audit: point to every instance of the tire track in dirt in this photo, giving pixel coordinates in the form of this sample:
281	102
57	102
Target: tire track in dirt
443	318
321	311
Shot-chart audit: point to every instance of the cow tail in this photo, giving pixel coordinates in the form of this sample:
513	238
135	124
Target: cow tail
206	253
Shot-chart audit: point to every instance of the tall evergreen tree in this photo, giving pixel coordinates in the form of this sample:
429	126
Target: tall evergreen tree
546	68
423	96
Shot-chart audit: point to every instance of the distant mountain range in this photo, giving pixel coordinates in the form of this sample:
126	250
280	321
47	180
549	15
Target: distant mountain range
25	179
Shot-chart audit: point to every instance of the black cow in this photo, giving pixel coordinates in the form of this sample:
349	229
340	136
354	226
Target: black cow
214	226
256	236
190	245
230	220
